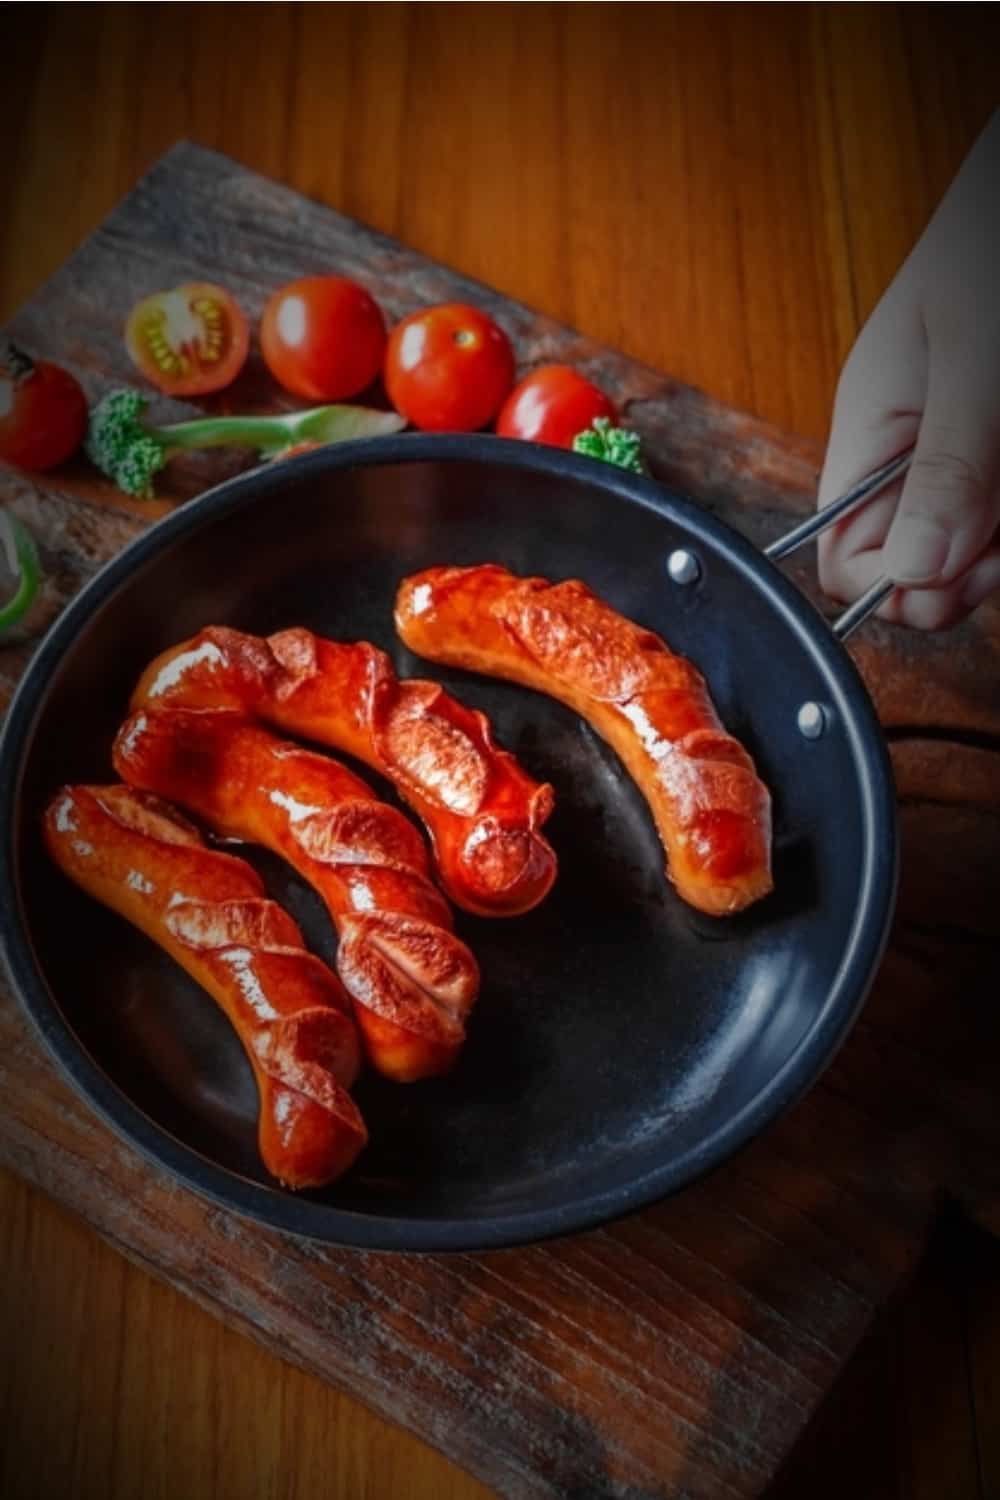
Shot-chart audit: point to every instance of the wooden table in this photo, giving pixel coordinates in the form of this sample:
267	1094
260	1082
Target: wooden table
637	171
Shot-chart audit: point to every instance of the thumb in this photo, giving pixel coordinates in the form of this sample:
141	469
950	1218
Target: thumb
950	503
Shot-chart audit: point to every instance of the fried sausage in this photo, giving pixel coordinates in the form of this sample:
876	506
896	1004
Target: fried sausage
412	981
209	911
482	811
711	810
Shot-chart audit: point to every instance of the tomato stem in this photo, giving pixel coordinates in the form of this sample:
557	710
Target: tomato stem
18	365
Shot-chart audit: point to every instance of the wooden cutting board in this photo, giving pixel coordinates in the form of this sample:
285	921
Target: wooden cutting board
679	1352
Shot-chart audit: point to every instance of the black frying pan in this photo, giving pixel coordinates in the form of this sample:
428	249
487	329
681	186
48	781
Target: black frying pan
623	1044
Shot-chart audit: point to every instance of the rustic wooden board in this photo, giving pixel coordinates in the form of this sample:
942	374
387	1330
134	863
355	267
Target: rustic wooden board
681	1351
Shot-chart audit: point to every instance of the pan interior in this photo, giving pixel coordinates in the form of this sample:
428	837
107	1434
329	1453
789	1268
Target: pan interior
617	1029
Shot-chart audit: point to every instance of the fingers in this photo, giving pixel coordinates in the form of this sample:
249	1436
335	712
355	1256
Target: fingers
940	608
982	579
931	531
880	395
950	503
928	609
925	371
850	553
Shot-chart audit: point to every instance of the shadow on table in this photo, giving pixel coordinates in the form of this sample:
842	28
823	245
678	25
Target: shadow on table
909	1415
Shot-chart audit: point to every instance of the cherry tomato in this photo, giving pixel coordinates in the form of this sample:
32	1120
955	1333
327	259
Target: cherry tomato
551	405
188	341
43	411
323	338
448	368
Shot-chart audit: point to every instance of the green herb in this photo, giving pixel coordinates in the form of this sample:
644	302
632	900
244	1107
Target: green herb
21	562
615	445
131	452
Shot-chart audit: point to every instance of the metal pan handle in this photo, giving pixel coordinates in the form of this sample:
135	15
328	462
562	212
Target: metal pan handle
861	493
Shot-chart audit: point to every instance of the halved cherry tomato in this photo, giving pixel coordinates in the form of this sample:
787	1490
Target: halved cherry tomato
448	368
43	411
323	338
552	405
188	341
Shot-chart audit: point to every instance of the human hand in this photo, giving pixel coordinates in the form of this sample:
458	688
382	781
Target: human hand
925	372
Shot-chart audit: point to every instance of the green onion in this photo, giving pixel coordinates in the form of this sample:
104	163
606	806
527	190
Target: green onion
22	564
131	451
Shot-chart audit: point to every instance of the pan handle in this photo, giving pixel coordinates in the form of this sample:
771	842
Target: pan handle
859	495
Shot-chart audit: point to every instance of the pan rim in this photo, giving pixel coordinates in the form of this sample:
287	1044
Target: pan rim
310	1218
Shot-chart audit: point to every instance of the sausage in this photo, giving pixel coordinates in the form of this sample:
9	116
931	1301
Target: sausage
482	811
209	911
711	810
411	980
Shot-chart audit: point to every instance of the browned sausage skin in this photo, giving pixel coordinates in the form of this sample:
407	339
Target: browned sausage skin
209	911
711	809
483	812
411	980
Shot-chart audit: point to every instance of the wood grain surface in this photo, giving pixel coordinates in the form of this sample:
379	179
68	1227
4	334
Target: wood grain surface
721	192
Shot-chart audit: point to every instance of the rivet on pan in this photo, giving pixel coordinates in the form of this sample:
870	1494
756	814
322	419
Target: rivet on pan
683	566
811	721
